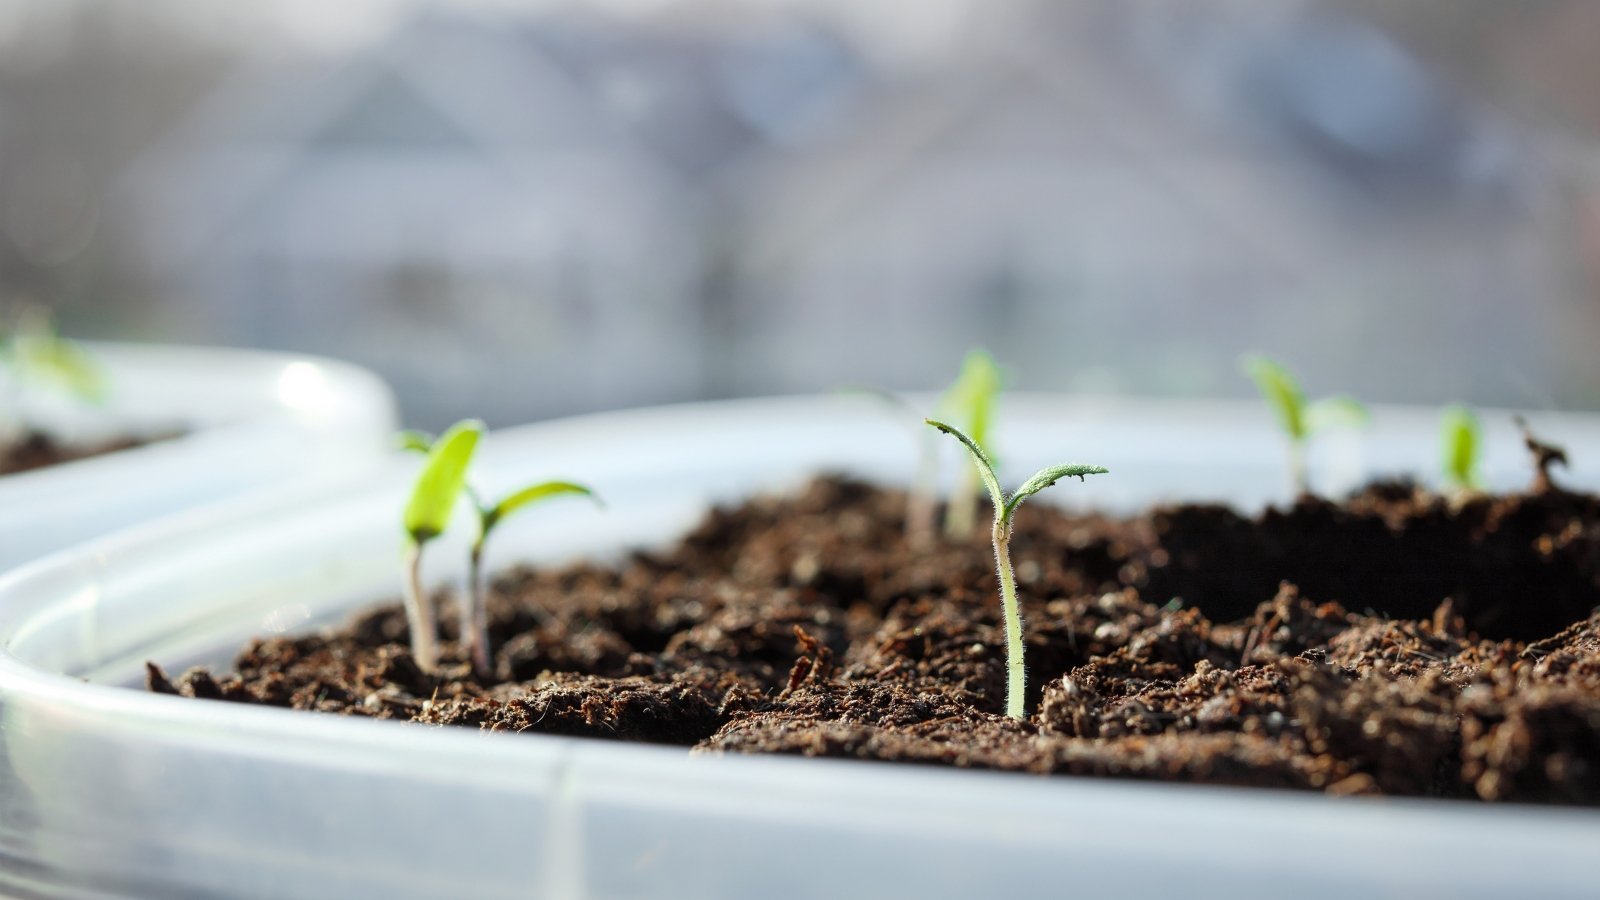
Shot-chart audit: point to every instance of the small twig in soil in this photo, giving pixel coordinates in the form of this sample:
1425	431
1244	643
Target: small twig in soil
814	664
1544	456
1446	621
156	681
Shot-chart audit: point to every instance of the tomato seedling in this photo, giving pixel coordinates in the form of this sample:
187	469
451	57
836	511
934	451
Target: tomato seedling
1298	418
1459	439
971	400
1005	509
448	458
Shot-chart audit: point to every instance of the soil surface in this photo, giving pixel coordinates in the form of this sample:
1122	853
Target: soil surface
36	450
1396	642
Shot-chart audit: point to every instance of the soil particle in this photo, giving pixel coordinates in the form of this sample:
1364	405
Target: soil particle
1393	643
681	710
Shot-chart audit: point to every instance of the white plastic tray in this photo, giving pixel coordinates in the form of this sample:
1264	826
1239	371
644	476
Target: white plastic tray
110	791
249	419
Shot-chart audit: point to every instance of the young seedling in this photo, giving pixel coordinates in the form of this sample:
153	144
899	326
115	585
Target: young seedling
1005	509
33	353
427	514
1459	439
920	503
1298	418
474	621
475	614
971	400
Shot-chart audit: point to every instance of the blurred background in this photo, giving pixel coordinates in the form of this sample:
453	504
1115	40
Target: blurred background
519	210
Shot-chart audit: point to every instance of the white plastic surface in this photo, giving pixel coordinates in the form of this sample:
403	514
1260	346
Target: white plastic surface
248	420
111	791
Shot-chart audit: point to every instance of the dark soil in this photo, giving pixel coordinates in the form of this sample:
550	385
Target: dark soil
1394	643
37	450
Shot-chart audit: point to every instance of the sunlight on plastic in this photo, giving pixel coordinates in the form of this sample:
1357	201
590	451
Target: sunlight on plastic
63	635
304	387
286	617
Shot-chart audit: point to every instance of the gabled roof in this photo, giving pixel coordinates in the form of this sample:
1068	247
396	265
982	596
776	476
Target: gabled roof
435	85
1048	109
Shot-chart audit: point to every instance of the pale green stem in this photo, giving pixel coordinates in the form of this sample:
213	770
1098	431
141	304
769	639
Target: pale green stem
1016	673
920	503
13	423
475	614
1297	467
962	512
419	613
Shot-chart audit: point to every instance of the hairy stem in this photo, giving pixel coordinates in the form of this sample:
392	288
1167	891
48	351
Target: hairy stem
419	613
475	614
1016	674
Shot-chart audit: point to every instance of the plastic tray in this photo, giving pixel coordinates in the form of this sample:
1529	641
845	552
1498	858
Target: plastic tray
106	791
248	419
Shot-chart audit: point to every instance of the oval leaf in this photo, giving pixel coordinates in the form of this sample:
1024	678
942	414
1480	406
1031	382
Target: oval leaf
534	494
1459	438
1281	392
43	356
1048	476
1342	411
973	396
441	481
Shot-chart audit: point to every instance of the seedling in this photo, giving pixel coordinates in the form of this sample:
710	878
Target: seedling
971	400
474	621
1459	439
427	514
1005	509
920	503
33	353
1298	418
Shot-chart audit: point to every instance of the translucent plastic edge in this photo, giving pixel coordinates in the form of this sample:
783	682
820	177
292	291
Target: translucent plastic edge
364	401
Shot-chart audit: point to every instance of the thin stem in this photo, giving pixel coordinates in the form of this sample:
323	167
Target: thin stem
419	613
13	418
1016	673
920	505
475	614
1297	467
962	512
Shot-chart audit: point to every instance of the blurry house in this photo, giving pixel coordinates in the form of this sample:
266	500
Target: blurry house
522	214
1065	202
451	207
710	96
522	205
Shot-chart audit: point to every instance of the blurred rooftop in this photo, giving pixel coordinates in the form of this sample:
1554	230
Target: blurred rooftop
521	210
